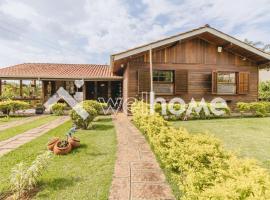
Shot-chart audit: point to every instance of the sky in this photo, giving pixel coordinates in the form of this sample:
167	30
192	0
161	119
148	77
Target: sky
89	31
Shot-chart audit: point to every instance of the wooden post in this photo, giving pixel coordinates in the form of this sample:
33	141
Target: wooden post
0	87
151	70
95	90
42	91
21	92
84	91
109	89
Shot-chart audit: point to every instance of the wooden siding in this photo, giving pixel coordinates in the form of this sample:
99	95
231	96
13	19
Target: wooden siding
200	58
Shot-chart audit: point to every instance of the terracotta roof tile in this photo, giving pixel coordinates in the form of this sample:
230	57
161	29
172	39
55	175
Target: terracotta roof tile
51	70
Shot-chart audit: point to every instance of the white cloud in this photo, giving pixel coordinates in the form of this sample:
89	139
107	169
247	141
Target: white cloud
88	31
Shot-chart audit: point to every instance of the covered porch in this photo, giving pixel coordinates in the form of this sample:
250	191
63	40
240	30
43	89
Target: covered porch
36	83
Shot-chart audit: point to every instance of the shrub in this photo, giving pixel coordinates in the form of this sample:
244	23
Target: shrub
24	179
264	90
9	106
58	108
259	109
199	164
91	107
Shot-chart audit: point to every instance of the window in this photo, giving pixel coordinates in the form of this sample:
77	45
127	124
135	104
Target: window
226	83
163	81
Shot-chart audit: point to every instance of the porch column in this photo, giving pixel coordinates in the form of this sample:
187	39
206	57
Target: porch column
95	90
42	91
0	87
109	89
84	91
21	92
152	96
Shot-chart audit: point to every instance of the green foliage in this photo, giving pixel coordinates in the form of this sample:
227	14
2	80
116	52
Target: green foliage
199	164
24	179
264	90
9	106
92	108
259	109
58	108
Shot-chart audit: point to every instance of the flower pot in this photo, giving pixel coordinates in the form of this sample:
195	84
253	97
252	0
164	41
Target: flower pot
52	143
61	150
75	142
39	111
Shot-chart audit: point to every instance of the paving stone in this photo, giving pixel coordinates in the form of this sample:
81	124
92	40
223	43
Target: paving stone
137	174
147	176
150	191
120	189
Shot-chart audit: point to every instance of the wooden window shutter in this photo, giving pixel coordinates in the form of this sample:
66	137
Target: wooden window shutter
181	81
214	82
143	80
243	82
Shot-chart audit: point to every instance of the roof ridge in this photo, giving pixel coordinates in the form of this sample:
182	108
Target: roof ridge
27	63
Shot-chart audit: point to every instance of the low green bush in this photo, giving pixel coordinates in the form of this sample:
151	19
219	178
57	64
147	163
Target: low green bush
198	164
58	108
92	108
9	106
259	109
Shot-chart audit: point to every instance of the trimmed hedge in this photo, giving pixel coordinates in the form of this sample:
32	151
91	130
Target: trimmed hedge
58	108
198	164
9	106
259	109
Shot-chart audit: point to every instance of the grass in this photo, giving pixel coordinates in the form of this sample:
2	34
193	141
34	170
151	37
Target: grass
86	173
249	137
10	132
4	119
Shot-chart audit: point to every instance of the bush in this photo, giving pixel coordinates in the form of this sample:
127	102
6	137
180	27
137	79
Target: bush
264	90
58	108
24	179
92	108
9	106
199	164
259	109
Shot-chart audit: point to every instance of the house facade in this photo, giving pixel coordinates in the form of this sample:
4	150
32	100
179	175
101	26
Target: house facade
202	63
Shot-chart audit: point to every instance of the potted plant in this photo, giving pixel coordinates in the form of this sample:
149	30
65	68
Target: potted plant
52	143
39	109
75	142
62	147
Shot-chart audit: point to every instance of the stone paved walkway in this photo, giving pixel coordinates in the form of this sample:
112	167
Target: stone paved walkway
18	122
137	175
20	139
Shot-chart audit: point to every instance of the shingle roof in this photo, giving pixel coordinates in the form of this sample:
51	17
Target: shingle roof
52	70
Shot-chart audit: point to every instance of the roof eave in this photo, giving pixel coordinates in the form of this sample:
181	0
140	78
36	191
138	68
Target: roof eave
182	36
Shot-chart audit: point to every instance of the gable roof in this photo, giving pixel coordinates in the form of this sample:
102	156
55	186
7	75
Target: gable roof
195	32
58	71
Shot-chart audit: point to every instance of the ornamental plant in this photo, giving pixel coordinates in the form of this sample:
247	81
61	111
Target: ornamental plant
259	109
92	108
11	106
23	179
58	108
198	164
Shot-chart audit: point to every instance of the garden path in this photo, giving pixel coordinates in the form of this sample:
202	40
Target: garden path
21	139
137	174
18	122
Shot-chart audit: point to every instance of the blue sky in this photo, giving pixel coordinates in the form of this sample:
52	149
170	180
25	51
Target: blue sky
86	31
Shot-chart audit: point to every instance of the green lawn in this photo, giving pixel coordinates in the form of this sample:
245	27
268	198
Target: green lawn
250	137
86	173
5	120
10	132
